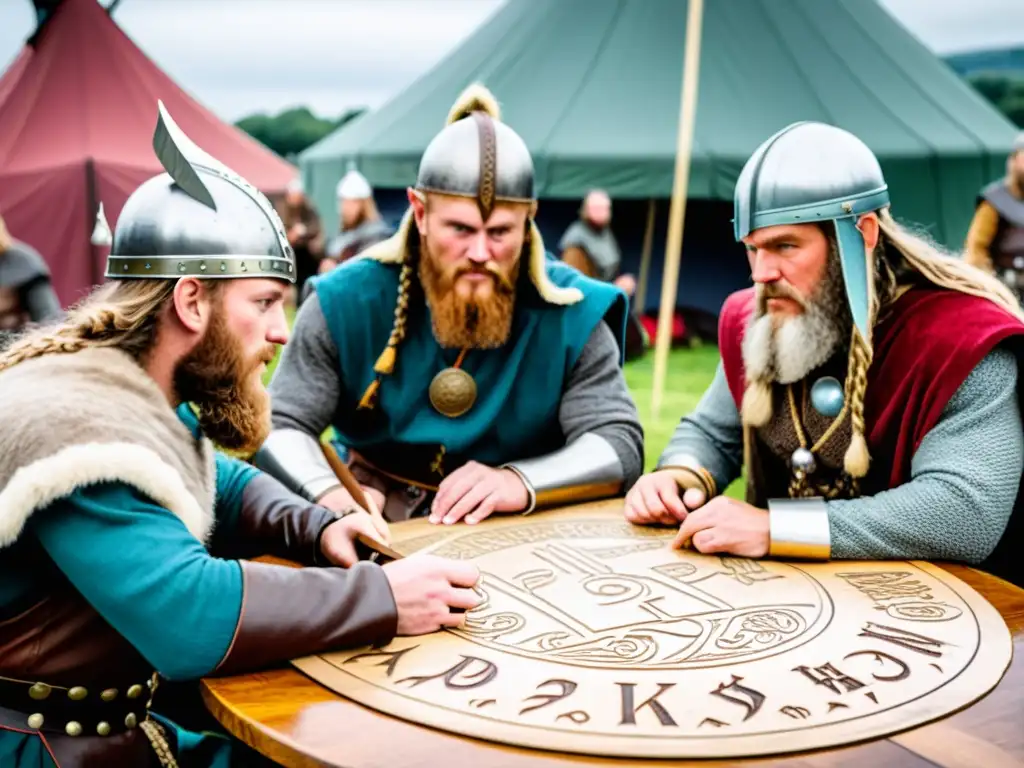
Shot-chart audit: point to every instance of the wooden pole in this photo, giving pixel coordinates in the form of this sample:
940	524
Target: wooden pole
677	210
640	298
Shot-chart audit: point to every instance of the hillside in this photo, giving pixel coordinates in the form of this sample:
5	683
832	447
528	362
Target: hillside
1006	61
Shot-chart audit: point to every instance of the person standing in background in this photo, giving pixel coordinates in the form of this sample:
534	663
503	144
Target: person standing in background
26	292
995	241
304	229
590	246
361	222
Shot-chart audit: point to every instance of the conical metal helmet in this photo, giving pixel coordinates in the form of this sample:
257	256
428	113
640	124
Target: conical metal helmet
812	172
478	156
198	219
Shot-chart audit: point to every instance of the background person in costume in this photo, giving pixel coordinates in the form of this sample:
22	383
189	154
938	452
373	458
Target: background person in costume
463	370
124	536
26	294
361	225
304	230
995	241
868	382
590	246
361	222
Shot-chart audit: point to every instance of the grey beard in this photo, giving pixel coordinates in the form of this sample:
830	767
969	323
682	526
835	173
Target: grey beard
800	344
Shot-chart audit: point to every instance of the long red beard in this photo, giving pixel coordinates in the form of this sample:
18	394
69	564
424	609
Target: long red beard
478	316
234	407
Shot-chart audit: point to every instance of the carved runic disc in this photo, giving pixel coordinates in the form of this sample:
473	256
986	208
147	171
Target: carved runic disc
594	636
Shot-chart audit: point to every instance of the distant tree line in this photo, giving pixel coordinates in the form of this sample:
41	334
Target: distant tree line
291	131
996	75
1004	91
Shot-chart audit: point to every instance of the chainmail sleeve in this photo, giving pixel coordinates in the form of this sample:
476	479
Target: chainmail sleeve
964	480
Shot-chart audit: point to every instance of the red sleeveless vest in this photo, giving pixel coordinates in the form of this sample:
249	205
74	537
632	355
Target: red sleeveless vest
925	346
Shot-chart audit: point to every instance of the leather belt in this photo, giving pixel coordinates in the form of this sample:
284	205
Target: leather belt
78	711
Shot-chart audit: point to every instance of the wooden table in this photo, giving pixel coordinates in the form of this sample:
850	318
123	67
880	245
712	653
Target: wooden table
297	722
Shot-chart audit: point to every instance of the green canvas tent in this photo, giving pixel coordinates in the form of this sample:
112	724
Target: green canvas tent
593	86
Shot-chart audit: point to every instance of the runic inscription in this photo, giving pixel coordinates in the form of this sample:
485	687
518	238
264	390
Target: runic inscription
902	595
595	636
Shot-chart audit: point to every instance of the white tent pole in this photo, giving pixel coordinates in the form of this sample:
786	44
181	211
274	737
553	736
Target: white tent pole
640	297
677	210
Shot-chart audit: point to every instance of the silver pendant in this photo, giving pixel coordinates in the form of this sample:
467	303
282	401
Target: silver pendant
803	461
827	397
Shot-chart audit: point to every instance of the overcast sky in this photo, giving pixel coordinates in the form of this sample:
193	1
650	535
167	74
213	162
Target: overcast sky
243	56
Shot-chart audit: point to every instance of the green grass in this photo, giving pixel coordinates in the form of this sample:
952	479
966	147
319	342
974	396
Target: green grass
690	371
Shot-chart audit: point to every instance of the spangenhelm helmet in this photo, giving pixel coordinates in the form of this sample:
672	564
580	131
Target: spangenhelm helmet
812	172
476	156
198	219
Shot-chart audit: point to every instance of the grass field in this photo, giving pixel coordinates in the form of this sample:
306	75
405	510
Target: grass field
689	373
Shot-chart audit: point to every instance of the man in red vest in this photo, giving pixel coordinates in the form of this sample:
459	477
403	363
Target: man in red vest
868	386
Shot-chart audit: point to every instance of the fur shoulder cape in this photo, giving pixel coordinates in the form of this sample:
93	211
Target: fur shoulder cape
71	420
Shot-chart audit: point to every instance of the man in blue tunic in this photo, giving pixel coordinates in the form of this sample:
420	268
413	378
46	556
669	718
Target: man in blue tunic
122	530
464	370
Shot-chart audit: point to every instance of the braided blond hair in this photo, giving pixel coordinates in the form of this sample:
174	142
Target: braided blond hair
120	313
385	364
917	252
901	251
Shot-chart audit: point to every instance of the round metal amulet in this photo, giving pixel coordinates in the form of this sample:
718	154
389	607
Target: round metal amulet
827	397
452	392
802	460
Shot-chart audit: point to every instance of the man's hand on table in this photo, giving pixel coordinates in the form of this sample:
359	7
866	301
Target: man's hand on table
340	500
474	491
427	589
337	542
657	499
722	525
726	526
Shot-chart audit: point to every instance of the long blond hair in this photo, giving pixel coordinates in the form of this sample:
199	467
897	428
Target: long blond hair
901	256
121	313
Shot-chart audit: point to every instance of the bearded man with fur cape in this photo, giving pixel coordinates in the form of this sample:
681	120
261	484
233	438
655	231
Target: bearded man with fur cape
868	384
126	539
464	370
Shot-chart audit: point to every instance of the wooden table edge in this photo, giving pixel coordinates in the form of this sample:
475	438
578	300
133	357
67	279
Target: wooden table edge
286	750
254	735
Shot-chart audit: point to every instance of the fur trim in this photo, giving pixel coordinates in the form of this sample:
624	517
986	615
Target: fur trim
392	250
39	484
475	98
548	291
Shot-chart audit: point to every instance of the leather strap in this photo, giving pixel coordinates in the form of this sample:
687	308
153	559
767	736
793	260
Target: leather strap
77	711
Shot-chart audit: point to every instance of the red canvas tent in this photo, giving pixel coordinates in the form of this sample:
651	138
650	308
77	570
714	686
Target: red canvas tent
77	112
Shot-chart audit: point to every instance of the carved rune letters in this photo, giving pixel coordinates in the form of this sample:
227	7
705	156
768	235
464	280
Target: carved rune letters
881	657
830	677
567	686
390	662
595	636
801	713
629	709
904	638
740	694
487	672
